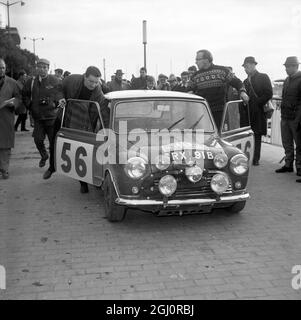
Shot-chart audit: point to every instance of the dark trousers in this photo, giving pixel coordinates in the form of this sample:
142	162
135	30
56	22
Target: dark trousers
56	128
291	135
218	117
41	129
257	147
21	120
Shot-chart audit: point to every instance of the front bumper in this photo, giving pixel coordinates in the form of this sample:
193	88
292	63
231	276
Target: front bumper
180	203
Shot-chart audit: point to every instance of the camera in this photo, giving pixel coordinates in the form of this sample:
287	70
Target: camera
44	101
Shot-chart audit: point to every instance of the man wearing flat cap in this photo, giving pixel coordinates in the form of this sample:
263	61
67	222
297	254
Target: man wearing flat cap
260	91
291	116
162	82
41	95
118	84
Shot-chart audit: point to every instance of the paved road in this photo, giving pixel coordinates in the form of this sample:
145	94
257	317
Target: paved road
56	244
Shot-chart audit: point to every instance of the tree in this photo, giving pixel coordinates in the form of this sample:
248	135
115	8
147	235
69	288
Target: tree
16	59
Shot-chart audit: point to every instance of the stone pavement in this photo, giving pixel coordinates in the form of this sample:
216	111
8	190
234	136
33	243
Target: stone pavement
56	244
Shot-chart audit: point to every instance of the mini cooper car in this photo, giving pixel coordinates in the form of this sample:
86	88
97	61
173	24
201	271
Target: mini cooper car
161	152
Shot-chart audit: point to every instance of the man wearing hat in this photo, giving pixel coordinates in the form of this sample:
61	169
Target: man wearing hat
260	91
118	83
162	82
41	95
291	116
59	73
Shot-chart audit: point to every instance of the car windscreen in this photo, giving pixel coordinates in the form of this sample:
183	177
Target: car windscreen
150	115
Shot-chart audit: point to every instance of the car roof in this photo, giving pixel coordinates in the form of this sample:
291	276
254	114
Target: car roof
132	94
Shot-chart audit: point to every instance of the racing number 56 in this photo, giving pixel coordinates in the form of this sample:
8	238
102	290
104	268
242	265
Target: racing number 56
80	165
75	159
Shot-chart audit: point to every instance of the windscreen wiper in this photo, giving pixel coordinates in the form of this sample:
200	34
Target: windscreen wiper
199	120
173	125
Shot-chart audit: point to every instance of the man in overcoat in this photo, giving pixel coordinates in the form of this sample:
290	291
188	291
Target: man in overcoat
8	91
260	91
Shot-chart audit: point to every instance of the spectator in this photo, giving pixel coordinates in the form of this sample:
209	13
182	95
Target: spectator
162	83
8	90
150	83
291	116
211	82
260	91
183	86
41	95
59	73
192	70
118	84
66	74
140	83
173	82
22	76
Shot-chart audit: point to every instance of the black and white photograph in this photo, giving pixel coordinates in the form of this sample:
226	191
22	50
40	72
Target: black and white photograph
150	153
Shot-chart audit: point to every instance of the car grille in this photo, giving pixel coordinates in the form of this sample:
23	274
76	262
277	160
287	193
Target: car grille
188	189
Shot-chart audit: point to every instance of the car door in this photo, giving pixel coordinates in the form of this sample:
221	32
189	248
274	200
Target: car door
76	143
236	127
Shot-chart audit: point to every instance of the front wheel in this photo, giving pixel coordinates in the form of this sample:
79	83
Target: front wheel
113	212
237	207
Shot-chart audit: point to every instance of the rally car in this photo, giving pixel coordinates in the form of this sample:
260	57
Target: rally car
161	152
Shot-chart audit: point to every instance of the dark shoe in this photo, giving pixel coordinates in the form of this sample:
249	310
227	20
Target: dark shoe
298	180
299	172
42	162
47	175
84	188
5	175
255	163
284	169
24	130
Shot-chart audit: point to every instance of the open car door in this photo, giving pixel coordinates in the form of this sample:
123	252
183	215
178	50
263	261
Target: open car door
236	127
76	144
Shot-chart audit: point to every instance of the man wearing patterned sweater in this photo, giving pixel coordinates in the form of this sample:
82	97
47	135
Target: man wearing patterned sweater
211	82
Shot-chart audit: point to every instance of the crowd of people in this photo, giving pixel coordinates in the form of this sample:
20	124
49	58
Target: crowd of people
44	94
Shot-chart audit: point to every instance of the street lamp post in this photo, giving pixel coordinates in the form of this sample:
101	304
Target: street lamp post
144	41
34	43
9	4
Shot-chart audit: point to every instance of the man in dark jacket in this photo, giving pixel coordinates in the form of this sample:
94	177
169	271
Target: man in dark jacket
183	86
9	99
82	87
291	116
118	83
260	91
211	82
140	83
41	96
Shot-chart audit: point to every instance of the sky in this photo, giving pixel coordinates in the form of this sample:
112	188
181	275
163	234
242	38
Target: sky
82	33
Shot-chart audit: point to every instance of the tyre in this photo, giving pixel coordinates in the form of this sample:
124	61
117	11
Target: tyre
113	212
237	207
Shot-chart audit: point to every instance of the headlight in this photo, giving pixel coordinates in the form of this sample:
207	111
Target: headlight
163	162
194	174
220	160
220	183
135	168
239	164
168	185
